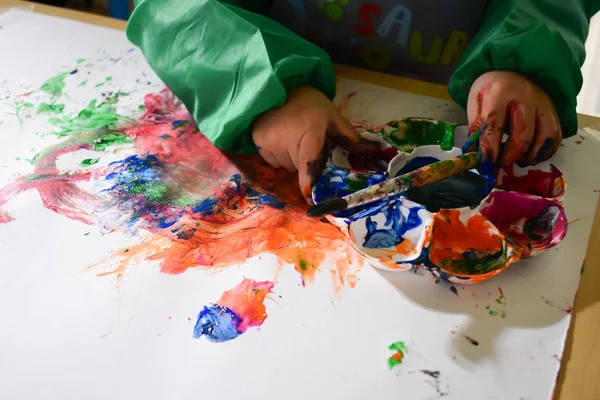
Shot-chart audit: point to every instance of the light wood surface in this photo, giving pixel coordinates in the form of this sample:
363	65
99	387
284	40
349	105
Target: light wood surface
579	378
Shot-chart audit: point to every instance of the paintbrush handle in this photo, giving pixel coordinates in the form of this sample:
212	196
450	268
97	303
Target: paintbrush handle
426	175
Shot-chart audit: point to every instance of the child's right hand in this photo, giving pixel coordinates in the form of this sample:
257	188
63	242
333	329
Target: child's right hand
293	136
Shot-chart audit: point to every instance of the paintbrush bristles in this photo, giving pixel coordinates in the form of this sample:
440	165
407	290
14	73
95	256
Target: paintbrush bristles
426	175
328	206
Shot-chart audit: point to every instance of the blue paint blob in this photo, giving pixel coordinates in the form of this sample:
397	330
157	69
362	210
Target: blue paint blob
338	182
167	221
217	323
486	169
206	206
396	223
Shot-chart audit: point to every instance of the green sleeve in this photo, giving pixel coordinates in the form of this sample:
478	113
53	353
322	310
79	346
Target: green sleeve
228	65
542	40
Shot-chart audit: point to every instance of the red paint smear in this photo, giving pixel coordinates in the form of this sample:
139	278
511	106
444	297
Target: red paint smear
501	292
578	142
237	231
537	182
516	146
246	300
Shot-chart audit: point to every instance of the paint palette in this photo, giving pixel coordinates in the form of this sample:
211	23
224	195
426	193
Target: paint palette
465	229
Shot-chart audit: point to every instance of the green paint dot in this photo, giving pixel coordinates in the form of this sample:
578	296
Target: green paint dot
109	78
89	161
80	60
99	84
141	108
303	265
83	83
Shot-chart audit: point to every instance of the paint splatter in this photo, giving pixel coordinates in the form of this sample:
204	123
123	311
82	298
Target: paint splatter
453	290
45	108
567	310
433	374
471	340
398	356
194	206
495	313
55	85
237	310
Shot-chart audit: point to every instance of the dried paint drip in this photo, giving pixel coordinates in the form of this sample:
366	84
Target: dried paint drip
237	310
194	206
464	229
398	356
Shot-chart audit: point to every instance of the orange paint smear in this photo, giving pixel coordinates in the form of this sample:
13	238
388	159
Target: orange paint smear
246	300
398	356
452	238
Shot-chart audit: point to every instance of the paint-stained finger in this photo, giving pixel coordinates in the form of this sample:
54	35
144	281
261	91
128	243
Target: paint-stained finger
343	134
490	134
521	124
310	161
486	113
548	137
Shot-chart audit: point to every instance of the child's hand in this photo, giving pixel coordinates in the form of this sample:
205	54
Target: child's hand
505	102
293	136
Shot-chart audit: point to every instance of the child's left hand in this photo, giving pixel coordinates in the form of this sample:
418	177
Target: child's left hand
505	102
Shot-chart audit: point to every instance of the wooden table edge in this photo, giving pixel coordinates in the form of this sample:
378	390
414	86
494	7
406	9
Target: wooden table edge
579	377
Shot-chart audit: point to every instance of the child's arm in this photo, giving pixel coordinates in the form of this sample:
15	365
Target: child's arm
543	42
227	64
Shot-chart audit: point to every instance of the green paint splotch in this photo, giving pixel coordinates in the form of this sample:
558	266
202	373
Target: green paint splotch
89	161
45	108
55	85
109	139
93	117
406	135
398	356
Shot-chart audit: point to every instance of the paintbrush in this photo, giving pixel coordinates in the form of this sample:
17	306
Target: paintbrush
426	175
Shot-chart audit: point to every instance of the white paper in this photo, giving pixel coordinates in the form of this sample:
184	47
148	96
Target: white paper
67	333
